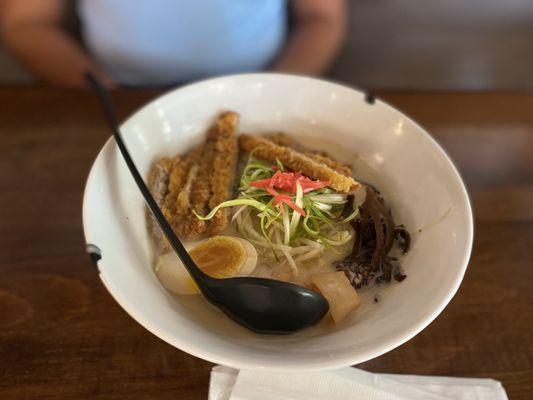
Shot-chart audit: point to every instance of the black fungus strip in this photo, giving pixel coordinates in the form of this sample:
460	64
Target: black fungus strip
376	233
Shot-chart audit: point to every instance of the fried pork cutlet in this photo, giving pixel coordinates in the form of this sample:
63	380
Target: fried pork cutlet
198	181
282	139
294	160
177	201
158	183
200	192
215	177
224	168
179	174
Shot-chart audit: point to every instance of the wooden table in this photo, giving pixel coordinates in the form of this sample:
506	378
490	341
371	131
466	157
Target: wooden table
62	336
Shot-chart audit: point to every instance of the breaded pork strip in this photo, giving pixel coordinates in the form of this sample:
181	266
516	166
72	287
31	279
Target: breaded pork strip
224	169
200	192
282	139
215	176
158	179
182	177
296	161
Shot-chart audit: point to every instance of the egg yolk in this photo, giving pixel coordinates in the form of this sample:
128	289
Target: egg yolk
219	256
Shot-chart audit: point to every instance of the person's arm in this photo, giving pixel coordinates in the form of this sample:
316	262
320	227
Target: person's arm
318	34
31	30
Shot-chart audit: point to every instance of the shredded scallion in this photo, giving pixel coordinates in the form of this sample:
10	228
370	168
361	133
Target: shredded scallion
295	226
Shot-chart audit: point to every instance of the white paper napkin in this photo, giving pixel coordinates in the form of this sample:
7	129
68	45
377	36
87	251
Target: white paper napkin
230	384
455	388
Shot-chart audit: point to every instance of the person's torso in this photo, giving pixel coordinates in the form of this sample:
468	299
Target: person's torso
161	42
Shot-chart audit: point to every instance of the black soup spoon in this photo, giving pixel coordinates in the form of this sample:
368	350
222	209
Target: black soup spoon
261	305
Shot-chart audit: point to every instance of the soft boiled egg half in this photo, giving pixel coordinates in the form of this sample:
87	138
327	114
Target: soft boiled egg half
219	257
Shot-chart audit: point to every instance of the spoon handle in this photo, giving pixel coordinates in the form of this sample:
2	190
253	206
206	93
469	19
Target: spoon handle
105	101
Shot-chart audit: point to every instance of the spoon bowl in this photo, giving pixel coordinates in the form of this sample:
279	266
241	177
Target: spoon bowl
266	305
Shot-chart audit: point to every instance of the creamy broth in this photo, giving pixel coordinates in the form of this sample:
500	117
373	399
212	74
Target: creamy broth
371	296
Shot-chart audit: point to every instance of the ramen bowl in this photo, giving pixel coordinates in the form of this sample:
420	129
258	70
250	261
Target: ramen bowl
386	148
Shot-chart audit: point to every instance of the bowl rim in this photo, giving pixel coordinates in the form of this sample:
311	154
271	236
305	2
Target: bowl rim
323	364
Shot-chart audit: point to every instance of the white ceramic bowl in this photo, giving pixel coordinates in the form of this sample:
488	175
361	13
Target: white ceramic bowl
420	182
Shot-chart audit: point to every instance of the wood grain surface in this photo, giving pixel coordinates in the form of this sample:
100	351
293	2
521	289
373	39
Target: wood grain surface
62	336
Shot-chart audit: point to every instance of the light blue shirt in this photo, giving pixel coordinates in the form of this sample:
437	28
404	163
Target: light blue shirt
164	42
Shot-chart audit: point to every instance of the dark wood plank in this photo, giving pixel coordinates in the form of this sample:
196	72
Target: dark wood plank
62	336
